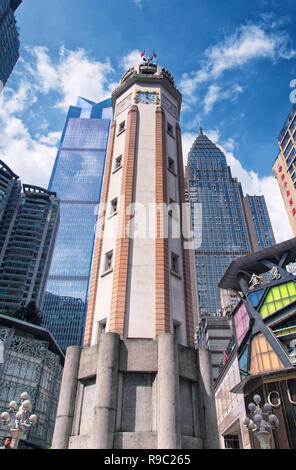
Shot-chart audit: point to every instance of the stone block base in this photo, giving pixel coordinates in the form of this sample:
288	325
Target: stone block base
137	394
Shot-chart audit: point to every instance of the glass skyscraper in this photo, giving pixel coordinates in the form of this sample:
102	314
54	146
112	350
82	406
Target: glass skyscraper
259	221
29	221
9	39
77	178
219	219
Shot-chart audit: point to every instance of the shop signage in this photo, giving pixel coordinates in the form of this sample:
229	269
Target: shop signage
272	396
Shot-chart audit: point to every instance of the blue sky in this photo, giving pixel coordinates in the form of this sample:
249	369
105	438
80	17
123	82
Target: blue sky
232	60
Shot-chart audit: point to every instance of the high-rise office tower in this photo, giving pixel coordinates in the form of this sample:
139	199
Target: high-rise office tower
220	225
28	229
258	221
9	39
77	178
10	187
138	382
284	167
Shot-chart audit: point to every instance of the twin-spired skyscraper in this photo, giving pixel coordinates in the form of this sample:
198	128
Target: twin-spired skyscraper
139	382
226	224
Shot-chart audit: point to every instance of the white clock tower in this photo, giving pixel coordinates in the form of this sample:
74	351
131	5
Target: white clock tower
139	381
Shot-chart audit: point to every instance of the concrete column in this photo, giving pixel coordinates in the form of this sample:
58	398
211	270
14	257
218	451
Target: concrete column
105	395
169	436
207	395
66	407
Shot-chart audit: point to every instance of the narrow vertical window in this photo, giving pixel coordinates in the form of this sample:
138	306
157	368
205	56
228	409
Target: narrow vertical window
108	261
170	129
171	165
118	163
121	127
175	263
114	206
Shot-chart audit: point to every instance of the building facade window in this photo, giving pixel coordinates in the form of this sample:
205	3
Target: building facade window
175	263
263	358
170	129
171	165
277	298
108	261
118	163
121	127
114	206
231	441
241	323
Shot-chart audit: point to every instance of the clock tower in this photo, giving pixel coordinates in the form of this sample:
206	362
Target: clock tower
139	381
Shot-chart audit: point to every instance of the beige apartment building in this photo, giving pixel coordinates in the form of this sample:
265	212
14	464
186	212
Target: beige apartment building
284	167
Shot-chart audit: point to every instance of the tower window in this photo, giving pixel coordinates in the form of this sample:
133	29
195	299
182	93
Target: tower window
175	263
101	329
114	206
170	129
170	212
121	127
118	163
108	261
171	165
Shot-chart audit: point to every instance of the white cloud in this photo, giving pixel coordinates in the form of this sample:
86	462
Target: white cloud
74	75
249	42
138	3
213	94
252	183
130	59
30	159
52	138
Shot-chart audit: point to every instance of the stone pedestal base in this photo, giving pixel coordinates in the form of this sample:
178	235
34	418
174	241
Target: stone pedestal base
16	435
136	394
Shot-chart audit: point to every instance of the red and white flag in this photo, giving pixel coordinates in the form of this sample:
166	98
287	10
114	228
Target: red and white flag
143	53
154	55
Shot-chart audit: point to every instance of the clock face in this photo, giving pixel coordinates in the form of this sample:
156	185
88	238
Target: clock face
146	97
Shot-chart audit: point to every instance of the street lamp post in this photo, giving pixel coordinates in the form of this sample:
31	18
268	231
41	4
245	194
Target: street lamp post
21	421
262	428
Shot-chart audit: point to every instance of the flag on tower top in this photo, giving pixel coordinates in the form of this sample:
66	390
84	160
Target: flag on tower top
143	53
154	55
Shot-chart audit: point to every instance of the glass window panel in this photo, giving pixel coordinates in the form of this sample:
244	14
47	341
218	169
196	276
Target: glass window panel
278	305
269	297
276	293
255	297
266	364
271	308
241	322
263	357
264	311
284	290
243	361
73	249
291	288
277	298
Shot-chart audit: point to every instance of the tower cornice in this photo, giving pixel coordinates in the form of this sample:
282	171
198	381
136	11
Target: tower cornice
156	79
